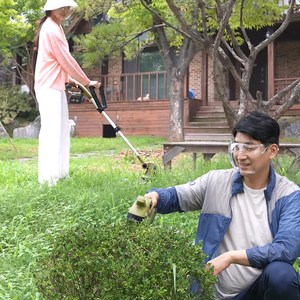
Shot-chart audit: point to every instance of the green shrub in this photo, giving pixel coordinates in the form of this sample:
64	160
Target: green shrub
124	261
12	103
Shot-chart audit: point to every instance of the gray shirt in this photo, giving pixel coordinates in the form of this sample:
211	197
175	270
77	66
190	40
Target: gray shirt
249	227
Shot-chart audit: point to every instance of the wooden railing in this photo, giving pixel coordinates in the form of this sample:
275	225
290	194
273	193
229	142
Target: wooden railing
136	86
154	86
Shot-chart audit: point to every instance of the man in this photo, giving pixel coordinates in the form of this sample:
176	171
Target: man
250	216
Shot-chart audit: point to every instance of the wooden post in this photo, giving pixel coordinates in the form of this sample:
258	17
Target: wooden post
271	91
204	77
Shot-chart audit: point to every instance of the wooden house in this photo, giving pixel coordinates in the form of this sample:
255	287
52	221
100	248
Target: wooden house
137	91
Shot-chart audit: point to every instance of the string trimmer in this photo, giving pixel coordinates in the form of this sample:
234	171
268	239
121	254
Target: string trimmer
141	209
101	106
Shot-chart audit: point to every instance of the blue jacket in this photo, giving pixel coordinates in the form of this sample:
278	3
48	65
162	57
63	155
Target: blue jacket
212	193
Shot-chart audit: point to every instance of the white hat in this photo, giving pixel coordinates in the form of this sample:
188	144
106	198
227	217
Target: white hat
55	4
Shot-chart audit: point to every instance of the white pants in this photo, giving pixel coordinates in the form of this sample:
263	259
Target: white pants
54	138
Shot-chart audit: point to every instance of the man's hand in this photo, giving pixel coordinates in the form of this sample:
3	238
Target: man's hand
223	261
154	199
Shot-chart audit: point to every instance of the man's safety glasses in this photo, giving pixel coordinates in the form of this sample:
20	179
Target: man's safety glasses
245	149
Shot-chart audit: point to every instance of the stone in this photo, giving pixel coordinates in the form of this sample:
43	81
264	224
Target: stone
72	127
32	130
293	130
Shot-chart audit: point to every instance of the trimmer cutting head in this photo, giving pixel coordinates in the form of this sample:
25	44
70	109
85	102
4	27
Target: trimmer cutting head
141	209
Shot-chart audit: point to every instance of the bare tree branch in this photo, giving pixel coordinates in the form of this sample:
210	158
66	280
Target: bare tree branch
280	30
155	13
198	37
236	51
243	30
186	54
232	52
136	35
201	5
188	47
224	16
177	14
229	65
282	93
288	104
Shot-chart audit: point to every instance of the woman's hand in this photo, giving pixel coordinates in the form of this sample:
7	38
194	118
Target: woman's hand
95	83
74	82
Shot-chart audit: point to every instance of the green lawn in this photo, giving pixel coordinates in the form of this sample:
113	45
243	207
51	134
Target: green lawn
105	179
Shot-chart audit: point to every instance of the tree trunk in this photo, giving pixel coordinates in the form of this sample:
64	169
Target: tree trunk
176	121
220	74
31	60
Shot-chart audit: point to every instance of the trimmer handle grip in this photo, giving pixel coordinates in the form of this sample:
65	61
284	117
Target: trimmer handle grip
101	105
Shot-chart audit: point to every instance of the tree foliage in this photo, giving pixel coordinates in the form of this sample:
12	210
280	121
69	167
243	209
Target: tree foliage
193	19
18	23
218	27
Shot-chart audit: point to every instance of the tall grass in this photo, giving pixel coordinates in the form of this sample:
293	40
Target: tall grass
105	179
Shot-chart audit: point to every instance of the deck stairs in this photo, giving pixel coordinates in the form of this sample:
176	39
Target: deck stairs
208	124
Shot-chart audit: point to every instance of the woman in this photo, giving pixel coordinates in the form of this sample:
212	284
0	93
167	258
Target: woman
55	67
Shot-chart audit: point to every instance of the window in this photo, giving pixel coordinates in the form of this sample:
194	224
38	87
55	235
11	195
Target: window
152	84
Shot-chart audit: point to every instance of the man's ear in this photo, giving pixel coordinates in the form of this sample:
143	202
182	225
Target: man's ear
273	150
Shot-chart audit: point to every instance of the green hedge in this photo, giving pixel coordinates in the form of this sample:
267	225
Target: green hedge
124	261
13	103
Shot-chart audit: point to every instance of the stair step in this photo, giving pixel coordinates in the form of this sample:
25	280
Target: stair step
205	112
207	137
209	118
208	124
219	104
206	130
211	109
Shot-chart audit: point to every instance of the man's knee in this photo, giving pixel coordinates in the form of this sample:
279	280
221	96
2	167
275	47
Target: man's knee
280	277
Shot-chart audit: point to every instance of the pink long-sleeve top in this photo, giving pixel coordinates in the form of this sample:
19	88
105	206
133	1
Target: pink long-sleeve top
55	65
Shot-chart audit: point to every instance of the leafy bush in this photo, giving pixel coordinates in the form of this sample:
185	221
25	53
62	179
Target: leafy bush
124	261
12	103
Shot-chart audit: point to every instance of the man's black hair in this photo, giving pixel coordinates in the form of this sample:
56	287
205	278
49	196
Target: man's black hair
260	127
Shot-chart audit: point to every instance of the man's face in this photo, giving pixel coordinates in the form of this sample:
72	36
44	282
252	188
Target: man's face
251	156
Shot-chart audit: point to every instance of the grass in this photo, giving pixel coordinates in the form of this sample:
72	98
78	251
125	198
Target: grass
105	179
27	148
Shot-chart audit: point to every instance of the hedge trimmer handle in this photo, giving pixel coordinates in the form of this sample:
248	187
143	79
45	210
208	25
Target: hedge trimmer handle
100	106
92	95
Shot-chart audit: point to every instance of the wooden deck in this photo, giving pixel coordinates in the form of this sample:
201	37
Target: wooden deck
134	118
151	117
209	149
